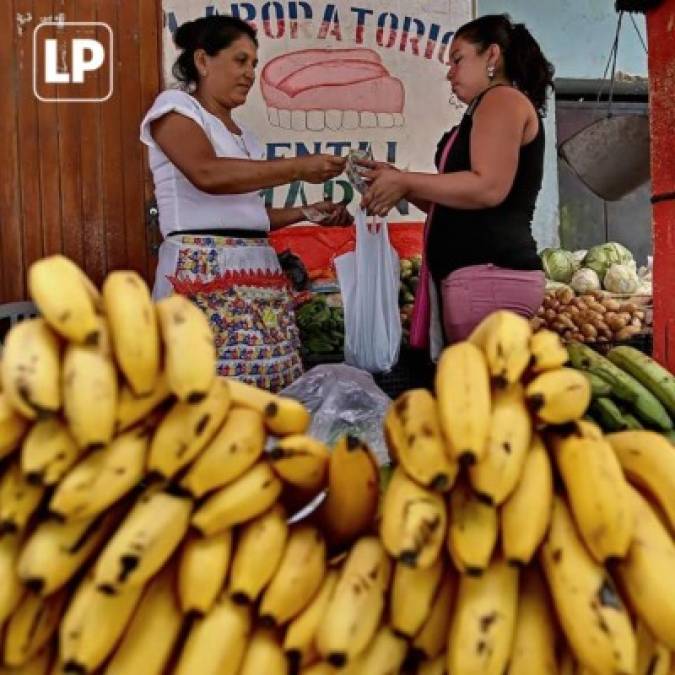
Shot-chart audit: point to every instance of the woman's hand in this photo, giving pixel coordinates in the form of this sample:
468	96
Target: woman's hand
319	168
387	188
328	213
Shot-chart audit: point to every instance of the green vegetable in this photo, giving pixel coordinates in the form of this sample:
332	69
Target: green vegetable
559	264
599	258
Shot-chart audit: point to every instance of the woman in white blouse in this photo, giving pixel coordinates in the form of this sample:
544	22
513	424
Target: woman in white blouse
208	172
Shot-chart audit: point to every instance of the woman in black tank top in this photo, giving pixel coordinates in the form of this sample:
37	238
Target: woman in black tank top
479	248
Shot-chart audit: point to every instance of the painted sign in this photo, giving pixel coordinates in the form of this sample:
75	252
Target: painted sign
336	76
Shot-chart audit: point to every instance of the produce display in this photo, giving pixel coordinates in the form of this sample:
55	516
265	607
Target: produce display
144	507
321	326
410	275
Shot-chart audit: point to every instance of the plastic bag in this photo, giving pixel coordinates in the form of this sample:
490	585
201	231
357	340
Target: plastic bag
369	279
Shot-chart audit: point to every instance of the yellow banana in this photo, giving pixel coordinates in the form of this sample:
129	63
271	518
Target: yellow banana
283	416
496	475
134	329
185	330
151	636
186	430
11	588
412	595
646	573
559	396
264	655
103	476
299	638
534	644
414	522
589	609
320	668
648	460
463	394
31	626
384	655
472	533
18	499
48	451
567	664
245	498
393	434
259	549
143	542
548	351
422	451
297	578
38	665
653	658
484	621
217	642
90	391
92	626
596	489
234	449
65	297
525	515
203	566
131	409
302	461
349	508
435	667
31	369
353	613
12	427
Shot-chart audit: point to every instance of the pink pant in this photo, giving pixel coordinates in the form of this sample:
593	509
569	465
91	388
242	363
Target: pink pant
471	293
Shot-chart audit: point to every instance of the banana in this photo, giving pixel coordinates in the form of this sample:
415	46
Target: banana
217	642
263	655
31	626
483	625
103	476
92	626
185	330
653	658
234	449
38	665
150	638
247	497
48	451
134	329
383	656
320	668
567	664
548	351
203	566
472	534
90	391
302	461
393	434
353	613
259	549
463	394
648	460
18	499
559	396
422	450
412	595
534	644
65	297
299	638
13	426
143	542
31	369
350	506
297	578
414	522
187	428
596	489
432	637
525	515
589	609
496	475
645	574
132	409
283	416
435	667
11	588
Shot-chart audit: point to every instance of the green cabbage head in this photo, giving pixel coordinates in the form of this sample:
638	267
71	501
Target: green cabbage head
559	264
599	258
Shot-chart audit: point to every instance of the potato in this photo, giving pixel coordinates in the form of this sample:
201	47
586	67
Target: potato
589	330
616	322
611	305
597	307
629	307
626	333
551	315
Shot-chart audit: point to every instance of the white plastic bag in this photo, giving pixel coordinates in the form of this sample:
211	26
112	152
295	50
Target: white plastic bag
369	281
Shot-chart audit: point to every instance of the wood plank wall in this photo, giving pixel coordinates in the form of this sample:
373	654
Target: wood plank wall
73	176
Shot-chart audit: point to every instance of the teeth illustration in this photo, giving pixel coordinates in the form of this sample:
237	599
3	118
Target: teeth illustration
399	120
298	120
273	116
350	119
368	119
285	119
318	120
385	120
334	119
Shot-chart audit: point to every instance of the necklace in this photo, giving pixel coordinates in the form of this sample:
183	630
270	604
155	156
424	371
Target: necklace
239	140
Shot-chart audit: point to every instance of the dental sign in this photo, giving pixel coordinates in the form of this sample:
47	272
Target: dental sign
336	76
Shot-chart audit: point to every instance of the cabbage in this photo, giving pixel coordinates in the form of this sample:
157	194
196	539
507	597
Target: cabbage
585	280
558	264
621	279
579	256
600	258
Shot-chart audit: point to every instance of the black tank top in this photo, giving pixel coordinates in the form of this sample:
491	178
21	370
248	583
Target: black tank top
501	235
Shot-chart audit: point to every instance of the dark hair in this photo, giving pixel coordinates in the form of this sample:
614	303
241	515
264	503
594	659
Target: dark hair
524	63
210	33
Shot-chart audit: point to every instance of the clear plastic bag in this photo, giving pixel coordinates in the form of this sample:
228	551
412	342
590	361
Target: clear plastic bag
369	279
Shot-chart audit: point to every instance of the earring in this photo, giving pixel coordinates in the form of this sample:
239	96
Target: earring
491	72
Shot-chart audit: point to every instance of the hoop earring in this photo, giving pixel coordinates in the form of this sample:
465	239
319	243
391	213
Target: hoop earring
491	72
